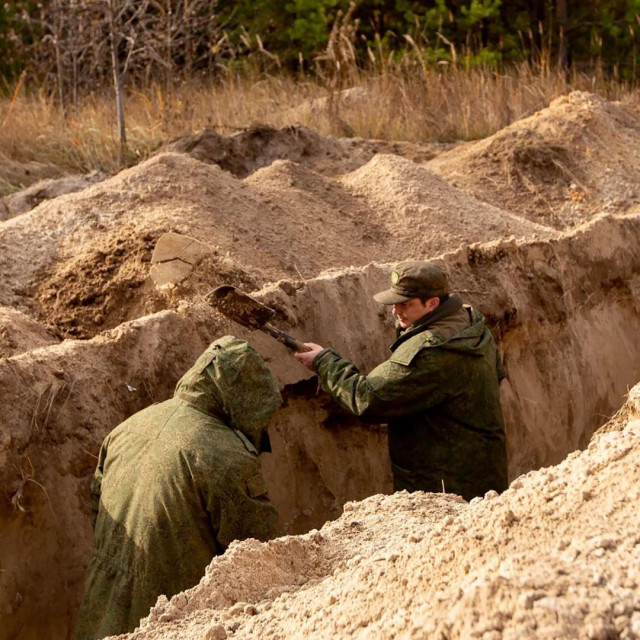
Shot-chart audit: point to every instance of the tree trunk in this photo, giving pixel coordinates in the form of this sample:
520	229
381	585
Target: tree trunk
561	11
117	83
58	21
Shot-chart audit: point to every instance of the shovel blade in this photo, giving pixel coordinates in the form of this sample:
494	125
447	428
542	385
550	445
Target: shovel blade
240	307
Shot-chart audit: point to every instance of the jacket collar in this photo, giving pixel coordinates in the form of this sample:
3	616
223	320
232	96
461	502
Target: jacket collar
450	306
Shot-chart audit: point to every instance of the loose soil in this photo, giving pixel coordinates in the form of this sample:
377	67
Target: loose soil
102	309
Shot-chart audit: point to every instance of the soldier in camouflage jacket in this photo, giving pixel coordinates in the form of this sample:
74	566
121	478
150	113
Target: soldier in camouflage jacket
438	392
175	484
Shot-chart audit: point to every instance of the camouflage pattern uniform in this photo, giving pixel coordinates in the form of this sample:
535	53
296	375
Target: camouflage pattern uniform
439	394
175	484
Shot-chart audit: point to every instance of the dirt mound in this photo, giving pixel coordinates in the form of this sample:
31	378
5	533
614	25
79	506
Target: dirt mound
88	265
246	151
555	556
32	196
88	253
425	215
19	333
558	167
314	221
20	175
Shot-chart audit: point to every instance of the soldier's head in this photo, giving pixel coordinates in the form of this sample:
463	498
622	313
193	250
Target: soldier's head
417	288
230	380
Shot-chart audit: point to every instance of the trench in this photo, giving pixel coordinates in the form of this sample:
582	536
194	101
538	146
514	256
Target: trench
566	314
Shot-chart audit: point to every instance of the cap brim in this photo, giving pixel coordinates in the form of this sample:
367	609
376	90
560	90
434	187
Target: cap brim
390	297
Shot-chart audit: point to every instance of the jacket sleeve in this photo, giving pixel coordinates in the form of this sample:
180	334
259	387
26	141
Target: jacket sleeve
96	484
245	510
390	391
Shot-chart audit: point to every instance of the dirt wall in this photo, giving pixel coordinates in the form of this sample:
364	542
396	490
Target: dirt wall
565	312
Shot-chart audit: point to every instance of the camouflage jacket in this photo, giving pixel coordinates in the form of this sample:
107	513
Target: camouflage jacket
175	484
439	394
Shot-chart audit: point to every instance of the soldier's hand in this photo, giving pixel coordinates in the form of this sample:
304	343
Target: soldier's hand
306	357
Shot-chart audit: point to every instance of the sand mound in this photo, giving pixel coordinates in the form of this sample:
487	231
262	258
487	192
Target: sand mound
558	167
88	264
20	175
90	251
32	196
424	214
555	556
19	333
243	153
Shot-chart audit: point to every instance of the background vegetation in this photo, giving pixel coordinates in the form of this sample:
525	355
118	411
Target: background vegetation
95	84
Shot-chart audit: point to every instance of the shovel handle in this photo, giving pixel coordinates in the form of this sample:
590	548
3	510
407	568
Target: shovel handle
286	339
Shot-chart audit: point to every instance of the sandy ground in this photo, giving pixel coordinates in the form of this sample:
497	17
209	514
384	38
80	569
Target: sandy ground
101	310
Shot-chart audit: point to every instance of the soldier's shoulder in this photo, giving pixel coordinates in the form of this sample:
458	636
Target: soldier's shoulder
406	351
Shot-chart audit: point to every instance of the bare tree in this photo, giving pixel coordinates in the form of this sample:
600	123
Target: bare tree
84	43
121	19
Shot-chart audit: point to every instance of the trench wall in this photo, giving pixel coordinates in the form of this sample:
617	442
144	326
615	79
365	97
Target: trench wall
565	312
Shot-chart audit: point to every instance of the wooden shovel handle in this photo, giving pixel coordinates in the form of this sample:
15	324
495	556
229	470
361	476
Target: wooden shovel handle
286	339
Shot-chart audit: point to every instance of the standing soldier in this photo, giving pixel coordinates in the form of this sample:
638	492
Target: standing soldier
175	484
438	392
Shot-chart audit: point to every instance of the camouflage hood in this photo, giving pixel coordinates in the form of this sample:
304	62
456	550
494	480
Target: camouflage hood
231	381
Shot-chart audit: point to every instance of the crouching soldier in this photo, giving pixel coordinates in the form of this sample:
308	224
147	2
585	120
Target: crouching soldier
175	484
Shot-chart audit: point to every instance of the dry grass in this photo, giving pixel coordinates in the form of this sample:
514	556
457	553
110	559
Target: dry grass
406	101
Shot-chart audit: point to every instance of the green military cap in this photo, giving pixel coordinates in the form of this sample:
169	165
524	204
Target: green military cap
413	279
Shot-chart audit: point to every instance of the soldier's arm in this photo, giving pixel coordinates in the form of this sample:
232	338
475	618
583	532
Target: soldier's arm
391	390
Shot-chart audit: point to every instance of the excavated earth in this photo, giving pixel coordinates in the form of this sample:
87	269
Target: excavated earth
102	309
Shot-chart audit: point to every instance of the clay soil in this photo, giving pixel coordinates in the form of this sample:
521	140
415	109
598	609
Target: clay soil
102	308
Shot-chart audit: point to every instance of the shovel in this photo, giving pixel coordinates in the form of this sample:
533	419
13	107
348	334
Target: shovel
245	310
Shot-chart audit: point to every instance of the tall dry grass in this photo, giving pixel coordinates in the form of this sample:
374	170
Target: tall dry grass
399	101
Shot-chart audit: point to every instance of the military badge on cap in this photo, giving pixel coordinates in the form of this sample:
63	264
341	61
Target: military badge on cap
413	279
